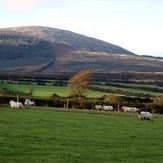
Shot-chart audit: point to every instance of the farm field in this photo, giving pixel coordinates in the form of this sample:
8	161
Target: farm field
46	90
49	89
128	89
129	84
39	90
42	134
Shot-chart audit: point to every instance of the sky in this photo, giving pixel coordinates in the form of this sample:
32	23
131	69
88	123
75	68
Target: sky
136	25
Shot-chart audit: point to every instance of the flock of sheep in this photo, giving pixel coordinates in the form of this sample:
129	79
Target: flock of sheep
141	114
19	105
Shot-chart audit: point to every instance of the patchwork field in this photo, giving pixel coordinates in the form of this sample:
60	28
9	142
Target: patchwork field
47	90
42	134
131	90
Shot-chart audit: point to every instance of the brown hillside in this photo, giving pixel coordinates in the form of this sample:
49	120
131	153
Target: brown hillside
44	49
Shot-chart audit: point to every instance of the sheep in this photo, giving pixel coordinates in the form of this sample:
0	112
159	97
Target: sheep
98	107
29	103
145	115
16	105
129	109
108	108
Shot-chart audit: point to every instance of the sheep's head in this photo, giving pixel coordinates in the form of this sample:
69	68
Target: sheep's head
138	111
11	101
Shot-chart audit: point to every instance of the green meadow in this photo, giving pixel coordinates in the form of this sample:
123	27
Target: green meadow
129	89
57	135
46	90
63	91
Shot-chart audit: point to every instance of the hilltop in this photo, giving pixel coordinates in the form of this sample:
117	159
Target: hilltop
44	49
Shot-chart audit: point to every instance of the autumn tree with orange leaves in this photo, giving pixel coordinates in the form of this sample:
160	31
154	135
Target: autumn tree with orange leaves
79	83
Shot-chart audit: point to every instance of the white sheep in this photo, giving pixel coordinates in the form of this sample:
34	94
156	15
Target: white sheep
29	103
98	107
145	115
108	108
16	105
129	109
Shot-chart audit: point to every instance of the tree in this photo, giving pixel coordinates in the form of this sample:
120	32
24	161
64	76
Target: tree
79	83
112	99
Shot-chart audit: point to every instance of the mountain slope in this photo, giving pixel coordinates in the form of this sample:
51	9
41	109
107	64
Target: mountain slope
44	49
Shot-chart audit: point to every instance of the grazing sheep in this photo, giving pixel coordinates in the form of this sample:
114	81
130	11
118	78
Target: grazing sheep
129	109
29	103
108	108
16	105
145	115
98	107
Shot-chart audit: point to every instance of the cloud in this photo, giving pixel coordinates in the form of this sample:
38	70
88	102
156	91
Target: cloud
21	4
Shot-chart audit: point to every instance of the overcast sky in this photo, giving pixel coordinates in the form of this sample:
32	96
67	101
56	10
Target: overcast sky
136	25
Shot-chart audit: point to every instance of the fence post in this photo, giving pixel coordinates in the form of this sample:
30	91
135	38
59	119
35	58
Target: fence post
118	106
17	98
67	103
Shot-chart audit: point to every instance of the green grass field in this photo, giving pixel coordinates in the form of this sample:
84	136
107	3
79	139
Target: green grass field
128	89
46	90
56	135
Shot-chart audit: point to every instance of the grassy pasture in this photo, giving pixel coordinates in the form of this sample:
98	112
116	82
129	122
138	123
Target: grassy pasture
47	90
134	84
41	134
128	89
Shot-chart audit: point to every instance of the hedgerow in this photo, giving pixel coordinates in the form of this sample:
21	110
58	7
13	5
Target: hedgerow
85	103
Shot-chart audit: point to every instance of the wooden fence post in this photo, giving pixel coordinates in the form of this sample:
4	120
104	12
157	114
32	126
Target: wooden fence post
67	103
118	106
17	98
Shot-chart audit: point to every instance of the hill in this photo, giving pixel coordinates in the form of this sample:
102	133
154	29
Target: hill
44	49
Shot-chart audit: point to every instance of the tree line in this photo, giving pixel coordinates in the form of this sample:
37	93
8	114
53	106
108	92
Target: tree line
16	46
152	89
118	91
